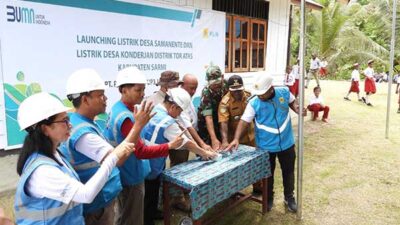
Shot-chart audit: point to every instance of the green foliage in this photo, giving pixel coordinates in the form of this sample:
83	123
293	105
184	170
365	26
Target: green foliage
346	34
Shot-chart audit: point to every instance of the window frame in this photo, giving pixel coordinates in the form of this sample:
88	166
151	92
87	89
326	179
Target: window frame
258	42
231	39
228	65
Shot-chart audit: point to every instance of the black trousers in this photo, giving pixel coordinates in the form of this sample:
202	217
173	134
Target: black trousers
286	160
151	192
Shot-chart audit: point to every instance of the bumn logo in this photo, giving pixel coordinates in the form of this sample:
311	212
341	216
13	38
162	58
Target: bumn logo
20	14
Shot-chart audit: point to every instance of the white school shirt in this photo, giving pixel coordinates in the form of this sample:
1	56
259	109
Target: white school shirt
296	71
289	79
355	75
369	72
315	100
314	64
324	64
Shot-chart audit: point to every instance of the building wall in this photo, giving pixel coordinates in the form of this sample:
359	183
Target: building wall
277	36
277	41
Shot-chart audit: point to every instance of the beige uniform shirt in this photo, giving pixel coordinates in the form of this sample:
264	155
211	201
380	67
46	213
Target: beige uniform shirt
231	111
157	98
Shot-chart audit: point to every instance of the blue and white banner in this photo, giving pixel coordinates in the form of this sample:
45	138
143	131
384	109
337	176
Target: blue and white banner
43	42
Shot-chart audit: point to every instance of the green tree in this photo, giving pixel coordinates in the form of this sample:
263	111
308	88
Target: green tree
345	34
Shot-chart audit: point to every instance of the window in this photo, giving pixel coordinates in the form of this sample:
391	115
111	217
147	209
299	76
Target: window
245	44
258	44
246	34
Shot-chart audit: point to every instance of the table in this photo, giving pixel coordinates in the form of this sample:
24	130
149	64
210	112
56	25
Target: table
210	182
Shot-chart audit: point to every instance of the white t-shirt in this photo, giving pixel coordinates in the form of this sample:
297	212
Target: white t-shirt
250	113
93	146
355	75
189	117
369	72
314	64
51	182
315	100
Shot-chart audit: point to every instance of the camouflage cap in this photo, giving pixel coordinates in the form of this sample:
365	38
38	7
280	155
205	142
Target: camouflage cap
213	74
168	77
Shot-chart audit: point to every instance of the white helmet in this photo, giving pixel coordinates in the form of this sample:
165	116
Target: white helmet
38	107
262	83
84	80
130	75
180	97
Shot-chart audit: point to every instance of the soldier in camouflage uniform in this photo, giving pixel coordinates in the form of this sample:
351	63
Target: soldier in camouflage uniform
211	96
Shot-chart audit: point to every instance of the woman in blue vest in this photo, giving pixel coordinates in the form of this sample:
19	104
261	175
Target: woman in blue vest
49	190
273	131
163	128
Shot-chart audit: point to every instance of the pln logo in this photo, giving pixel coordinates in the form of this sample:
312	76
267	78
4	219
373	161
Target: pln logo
20	14
209	34
16	14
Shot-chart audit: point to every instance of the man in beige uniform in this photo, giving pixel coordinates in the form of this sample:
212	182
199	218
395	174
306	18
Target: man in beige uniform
230	111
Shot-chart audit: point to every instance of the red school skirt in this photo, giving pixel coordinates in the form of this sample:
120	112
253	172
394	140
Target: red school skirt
355	87
370	85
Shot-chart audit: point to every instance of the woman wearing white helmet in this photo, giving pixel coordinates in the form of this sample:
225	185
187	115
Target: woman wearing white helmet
163	128
49	190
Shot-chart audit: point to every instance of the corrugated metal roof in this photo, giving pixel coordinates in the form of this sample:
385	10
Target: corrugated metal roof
309	3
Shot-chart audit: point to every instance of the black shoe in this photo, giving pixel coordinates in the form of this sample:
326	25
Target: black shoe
270	204
398	110
369	104
363	99
291	204
346	98
360	100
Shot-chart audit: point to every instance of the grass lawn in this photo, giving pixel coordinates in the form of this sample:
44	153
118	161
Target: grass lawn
351	173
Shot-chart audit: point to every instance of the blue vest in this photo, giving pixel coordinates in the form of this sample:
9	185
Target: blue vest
134	170
153	133
85	166
272	121
31	210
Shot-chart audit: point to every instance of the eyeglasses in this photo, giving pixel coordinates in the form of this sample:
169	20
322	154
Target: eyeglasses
66	121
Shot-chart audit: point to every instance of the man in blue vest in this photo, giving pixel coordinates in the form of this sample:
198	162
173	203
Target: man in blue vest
273	131
86	147
131	83
163	128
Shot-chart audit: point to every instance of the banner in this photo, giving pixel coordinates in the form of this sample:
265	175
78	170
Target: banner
43	42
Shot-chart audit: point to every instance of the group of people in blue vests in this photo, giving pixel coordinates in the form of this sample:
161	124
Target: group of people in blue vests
73	172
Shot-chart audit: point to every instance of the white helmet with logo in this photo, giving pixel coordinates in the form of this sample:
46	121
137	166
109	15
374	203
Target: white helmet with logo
84	80
38	107
180	97
262	83
130	75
